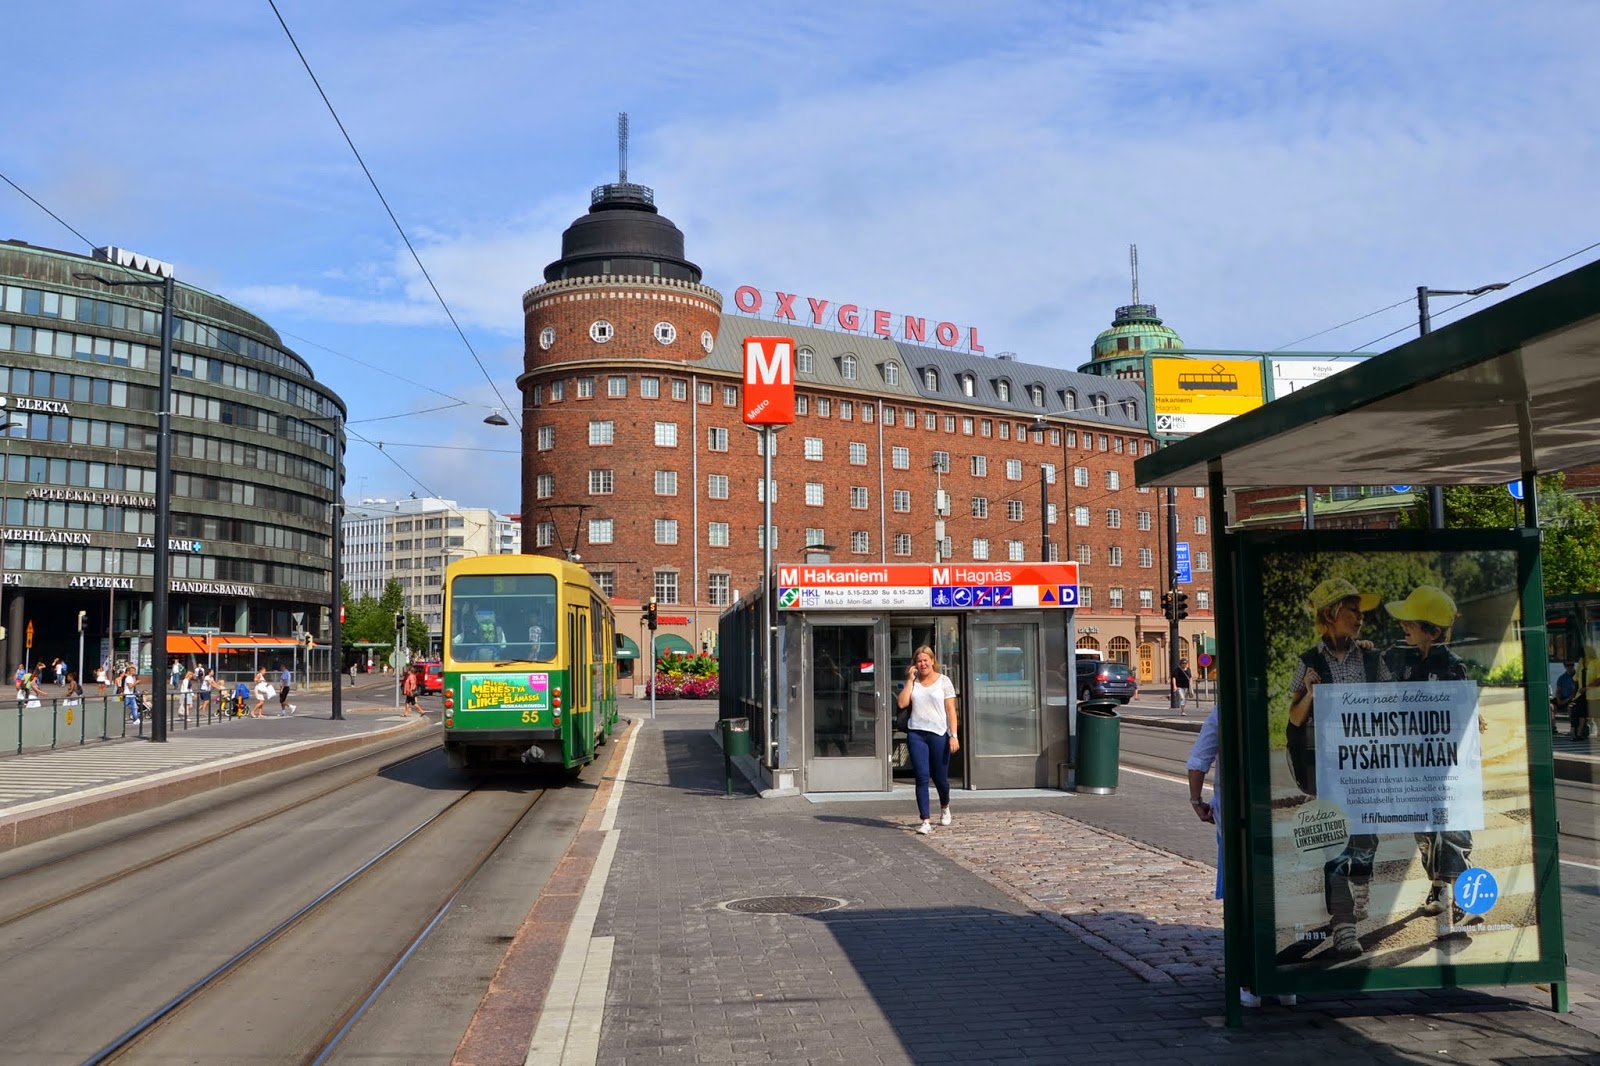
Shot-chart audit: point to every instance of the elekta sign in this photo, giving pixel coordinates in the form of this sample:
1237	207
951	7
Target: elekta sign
769	381
852	319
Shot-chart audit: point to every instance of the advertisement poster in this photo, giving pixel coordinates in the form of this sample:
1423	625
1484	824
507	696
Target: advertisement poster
1390	744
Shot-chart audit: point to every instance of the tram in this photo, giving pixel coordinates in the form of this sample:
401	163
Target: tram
530	670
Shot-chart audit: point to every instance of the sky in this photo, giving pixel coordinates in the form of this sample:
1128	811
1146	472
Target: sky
1283	168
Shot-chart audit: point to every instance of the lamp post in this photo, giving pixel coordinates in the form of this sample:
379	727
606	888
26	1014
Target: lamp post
161	581
1424	326
336	622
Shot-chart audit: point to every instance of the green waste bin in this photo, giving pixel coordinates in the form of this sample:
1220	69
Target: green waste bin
1099	725
735	736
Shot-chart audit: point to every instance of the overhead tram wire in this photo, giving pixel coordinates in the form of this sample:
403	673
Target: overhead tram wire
379	370
1351	322
504	405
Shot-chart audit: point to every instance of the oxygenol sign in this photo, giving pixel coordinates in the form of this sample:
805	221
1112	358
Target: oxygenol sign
852	318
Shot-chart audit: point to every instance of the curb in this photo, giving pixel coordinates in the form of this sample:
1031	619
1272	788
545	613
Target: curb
47	818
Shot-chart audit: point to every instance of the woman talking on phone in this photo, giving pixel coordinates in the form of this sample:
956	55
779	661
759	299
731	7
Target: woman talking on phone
930	731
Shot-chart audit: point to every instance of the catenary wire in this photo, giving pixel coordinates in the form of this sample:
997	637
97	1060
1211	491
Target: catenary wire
511	412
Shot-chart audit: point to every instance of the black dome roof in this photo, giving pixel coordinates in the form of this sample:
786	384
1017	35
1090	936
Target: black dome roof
623	233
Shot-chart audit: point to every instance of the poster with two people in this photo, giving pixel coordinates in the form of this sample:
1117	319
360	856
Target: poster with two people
1388	760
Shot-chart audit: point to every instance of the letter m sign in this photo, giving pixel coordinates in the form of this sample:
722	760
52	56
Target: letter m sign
769	381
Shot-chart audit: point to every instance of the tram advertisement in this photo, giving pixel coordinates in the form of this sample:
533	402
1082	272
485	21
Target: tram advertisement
1389	739
506	692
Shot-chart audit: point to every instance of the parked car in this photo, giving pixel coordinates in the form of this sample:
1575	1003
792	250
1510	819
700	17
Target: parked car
432	678
1101	679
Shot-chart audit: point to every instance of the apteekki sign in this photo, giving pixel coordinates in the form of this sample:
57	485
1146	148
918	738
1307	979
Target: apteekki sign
956	586
769	381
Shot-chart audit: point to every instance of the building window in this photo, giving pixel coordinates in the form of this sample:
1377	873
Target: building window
814	449
600	331
717	534
601	433
1116	445
847	410
702	392
941	462
930	380
762	533
858	453
1002	389
666	531
617	385
1147	558
824	407
1114	555
545	486
666	482
600	483
1199	492
761	486
607	580
730	396
1005	431
1113	479
601	531
980	466
980	507
650	388
814	494
1200	525
1050	513
546	438
666	586
717	486
666	434
967	426
1036	394
980	549
1144	521
1085	555
1147	600
1086	597
666	332
1015	551
867	409
761	446
860	542
1202	561
803	360
1049	470
891	373
1202	600
1013	469
815	537
902	501
544	536
802	405
1080	515
847	367
717	586
558	391
716	439
1114	597
680	389
1080	477
1014	510
967	385
902	543
858	498
930	421
900	458
586	388
949	423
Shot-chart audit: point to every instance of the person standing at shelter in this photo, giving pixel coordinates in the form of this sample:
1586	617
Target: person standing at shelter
931	731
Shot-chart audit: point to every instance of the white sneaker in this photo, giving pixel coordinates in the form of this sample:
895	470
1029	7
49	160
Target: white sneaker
1248	998
944	816
926	828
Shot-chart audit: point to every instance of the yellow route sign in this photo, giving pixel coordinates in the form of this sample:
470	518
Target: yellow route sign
1192	395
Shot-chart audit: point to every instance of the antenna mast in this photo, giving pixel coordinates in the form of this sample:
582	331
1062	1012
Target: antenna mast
1133	261
622	147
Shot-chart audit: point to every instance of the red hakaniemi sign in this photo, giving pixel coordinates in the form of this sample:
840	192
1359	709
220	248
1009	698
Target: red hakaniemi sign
923	575
851	318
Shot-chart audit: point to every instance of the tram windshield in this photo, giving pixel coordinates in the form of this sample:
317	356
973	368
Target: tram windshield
502	618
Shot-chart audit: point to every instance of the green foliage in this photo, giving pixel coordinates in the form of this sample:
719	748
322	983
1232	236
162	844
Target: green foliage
370	618
1508	675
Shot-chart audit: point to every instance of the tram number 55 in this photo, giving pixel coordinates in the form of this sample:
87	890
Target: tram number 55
530	717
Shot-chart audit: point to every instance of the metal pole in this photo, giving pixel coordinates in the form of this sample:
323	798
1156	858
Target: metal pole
652	674
158	601
766	598
1435	492
336	636
1044	516
1172	584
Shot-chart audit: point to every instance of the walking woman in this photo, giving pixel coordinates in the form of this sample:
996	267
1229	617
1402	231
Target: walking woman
930	732
258	711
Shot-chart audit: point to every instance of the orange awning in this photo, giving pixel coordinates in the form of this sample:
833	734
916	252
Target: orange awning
184	644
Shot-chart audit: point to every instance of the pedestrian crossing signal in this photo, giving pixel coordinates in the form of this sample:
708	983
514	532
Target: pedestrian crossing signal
1180	604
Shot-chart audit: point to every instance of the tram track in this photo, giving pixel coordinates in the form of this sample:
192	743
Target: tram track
235	970
17	882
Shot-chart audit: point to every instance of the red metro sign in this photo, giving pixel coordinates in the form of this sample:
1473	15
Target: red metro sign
769	381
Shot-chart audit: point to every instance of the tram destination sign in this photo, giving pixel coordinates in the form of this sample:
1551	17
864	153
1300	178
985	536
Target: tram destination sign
951	586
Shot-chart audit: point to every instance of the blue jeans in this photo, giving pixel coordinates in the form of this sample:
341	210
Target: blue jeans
930	756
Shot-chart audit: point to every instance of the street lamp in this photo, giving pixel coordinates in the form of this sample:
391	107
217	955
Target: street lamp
1424	326
162	582
1040	426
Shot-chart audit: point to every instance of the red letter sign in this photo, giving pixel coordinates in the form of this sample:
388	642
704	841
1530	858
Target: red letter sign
769	381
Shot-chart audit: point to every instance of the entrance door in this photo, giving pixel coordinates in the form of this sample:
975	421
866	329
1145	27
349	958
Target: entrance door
849	733
1002	719
942	633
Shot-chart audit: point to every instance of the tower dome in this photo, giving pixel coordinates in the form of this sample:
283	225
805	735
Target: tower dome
1118	352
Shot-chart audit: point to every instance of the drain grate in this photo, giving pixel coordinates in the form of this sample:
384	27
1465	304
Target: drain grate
783	904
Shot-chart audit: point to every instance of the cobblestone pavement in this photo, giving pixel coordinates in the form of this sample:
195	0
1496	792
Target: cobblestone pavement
1006	938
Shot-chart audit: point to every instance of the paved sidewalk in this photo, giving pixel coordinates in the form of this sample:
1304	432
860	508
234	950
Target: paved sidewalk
1021	934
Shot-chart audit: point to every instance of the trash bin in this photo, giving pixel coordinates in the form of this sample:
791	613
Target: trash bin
1099	725
735	735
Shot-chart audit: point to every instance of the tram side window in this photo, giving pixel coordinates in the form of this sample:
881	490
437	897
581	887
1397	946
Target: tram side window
503	618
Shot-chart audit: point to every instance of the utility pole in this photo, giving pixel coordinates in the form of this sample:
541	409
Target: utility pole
1172	585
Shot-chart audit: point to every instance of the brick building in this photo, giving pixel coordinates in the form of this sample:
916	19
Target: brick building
636	460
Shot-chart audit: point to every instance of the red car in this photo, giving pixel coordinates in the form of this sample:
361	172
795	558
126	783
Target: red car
432	678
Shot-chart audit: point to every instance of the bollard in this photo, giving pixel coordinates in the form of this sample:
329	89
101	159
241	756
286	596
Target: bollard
735	741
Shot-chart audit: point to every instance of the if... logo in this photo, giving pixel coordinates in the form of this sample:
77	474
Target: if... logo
1476	890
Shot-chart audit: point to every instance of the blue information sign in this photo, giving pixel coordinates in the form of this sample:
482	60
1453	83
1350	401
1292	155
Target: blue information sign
1185	576
1515	488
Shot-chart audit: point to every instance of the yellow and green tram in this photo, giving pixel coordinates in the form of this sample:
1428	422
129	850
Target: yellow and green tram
530	671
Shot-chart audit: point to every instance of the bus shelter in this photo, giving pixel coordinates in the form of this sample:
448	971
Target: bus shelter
845	636
1387	768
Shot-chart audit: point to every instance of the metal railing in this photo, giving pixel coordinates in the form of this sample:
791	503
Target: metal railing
61	722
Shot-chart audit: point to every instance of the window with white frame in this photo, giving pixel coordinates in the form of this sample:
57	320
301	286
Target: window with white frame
902	501
761	490
666	434
930	421
1014	510
1200	524
860	541
547	438
858	497
717	486
824	407
1114	597
1199	492
1116	445
888	415
802	405
601	530
730	396
1013	469
680	389
1113	518
814	494
586	388
1036	394
1005	431
967	426
1113	479
558	391
666	531
891	373
544	535
980	507
1002	389
1144	521
947	547
803	360
601	482
930	379
847	410
1147	558
1147	599
867	409
1202	561
980	549
607	580
941	462
1049	471
1114	555
666	482
847	367
1086	597
617	385
1016	551
1085	555
1202	600
1080	477
717	534
814	449
666	586
1080	515
968	385
545	486
602	433
1050	513
762	533
702	391
649	387
902	543
815	535
986	427
949	423
761	446
900	458
717	589
980	466
716	439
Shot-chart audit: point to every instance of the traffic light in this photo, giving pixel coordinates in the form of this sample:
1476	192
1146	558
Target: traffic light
1166	605
650	615
399	621
80	620
341	614
1181	604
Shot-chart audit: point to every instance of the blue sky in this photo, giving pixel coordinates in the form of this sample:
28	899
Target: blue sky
1282	166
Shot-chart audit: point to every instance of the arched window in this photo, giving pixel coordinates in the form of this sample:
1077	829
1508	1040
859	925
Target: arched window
930	379
1132	409
967	383
891	373
802	360
1087	643
1003	390
1069	400
1100	403
1036	394
1121	651
847	367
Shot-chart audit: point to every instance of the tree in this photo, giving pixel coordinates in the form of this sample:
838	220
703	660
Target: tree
371	619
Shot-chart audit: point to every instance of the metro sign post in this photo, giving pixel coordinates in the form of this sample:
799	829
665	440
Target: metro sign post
768	405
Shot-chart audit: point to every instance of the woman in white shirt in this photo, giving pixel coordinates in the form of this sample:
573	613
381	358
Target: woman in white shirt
930	731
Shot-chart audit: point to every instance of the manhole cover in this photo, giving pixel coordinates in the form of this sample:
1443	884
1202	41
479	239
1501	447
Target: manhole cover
783	904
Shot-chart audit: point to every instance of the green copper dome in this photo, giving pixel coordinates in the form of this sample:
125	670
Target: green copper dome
1136	329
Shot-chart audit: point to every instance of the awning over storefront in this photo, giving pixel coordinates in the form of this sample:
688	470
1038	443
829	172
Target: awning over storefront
629	649
672	643
205	644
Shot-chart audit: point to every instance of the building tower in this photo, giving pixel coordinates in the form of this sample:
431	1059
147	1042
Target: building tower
1119	352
